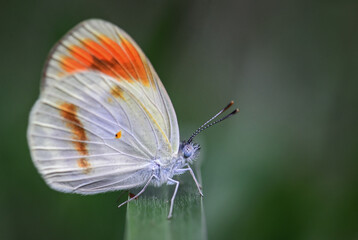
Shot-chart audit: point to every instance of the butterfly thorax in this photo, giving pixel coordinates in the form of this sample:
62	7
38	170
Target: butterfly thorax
187	153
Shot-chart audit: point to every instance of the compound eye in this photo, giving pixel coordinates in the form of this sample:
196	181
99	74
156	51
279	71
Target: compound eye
188	150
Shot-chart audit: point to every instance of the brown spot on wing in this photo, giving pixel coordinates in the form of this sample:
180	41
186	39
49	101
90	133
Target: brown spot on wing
69	112
117	92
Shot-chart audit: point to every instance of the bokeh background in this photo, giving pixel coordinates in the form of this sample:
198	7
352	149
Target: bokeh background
284	168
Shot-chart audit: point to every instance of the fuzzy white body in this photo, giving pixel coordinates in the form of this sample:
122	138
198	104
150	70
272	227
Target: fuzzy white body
177	166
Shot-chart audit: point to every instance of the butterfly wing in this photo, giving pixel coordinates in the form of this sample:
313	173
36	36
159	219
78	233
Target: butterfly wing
103	115
101	46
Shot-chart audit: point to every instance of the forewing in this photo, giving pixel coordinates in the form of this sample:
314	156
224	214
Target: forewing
97	45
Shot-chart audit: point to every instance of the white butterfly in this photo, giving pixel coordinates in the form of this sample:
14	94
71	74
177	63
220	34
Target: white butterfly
104	121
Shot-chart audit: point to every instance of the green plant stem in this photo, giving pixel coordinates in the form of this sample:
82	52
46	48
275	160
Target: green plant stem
147	216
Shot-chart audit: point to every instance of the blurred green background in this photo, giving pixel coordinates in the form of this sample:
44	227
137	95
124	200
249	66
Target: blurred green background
284	168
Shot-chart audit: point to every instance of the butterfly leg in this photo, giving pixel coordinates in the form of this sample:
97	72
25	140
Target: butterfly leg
173	197
138	194
194	178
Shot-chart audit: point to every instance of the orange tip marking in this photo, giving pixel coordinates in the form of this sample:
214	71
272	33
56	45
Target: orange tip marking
123	64
119	60
137	61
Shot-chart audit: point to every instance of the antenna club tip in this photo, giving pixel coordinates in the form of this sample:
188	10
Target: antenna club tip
229	105
234	112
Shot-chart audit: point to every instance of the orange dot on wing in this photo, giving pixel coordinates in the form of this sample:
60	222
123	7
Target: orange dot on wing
119	134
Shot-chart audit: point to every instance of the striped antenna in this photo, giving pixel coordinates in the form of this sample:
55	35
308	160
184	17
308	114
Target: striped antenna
208	123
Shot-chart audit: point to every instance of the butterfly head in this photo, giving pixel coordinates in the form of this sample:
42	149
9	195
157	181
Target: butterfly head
189	151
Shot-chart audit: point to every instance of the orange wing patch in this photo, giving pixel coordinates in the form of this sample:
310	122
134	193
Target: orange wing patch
118	60
69	112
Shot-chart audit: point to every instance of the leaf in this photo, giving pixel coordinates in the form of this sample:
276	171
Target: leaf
147	216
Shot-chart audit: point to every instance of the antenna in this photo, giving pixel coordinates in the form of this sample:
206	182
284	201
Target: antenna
207	124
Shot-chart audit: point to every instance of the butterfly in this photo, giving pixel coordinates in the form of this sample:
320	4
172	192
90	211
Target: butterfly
104	121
